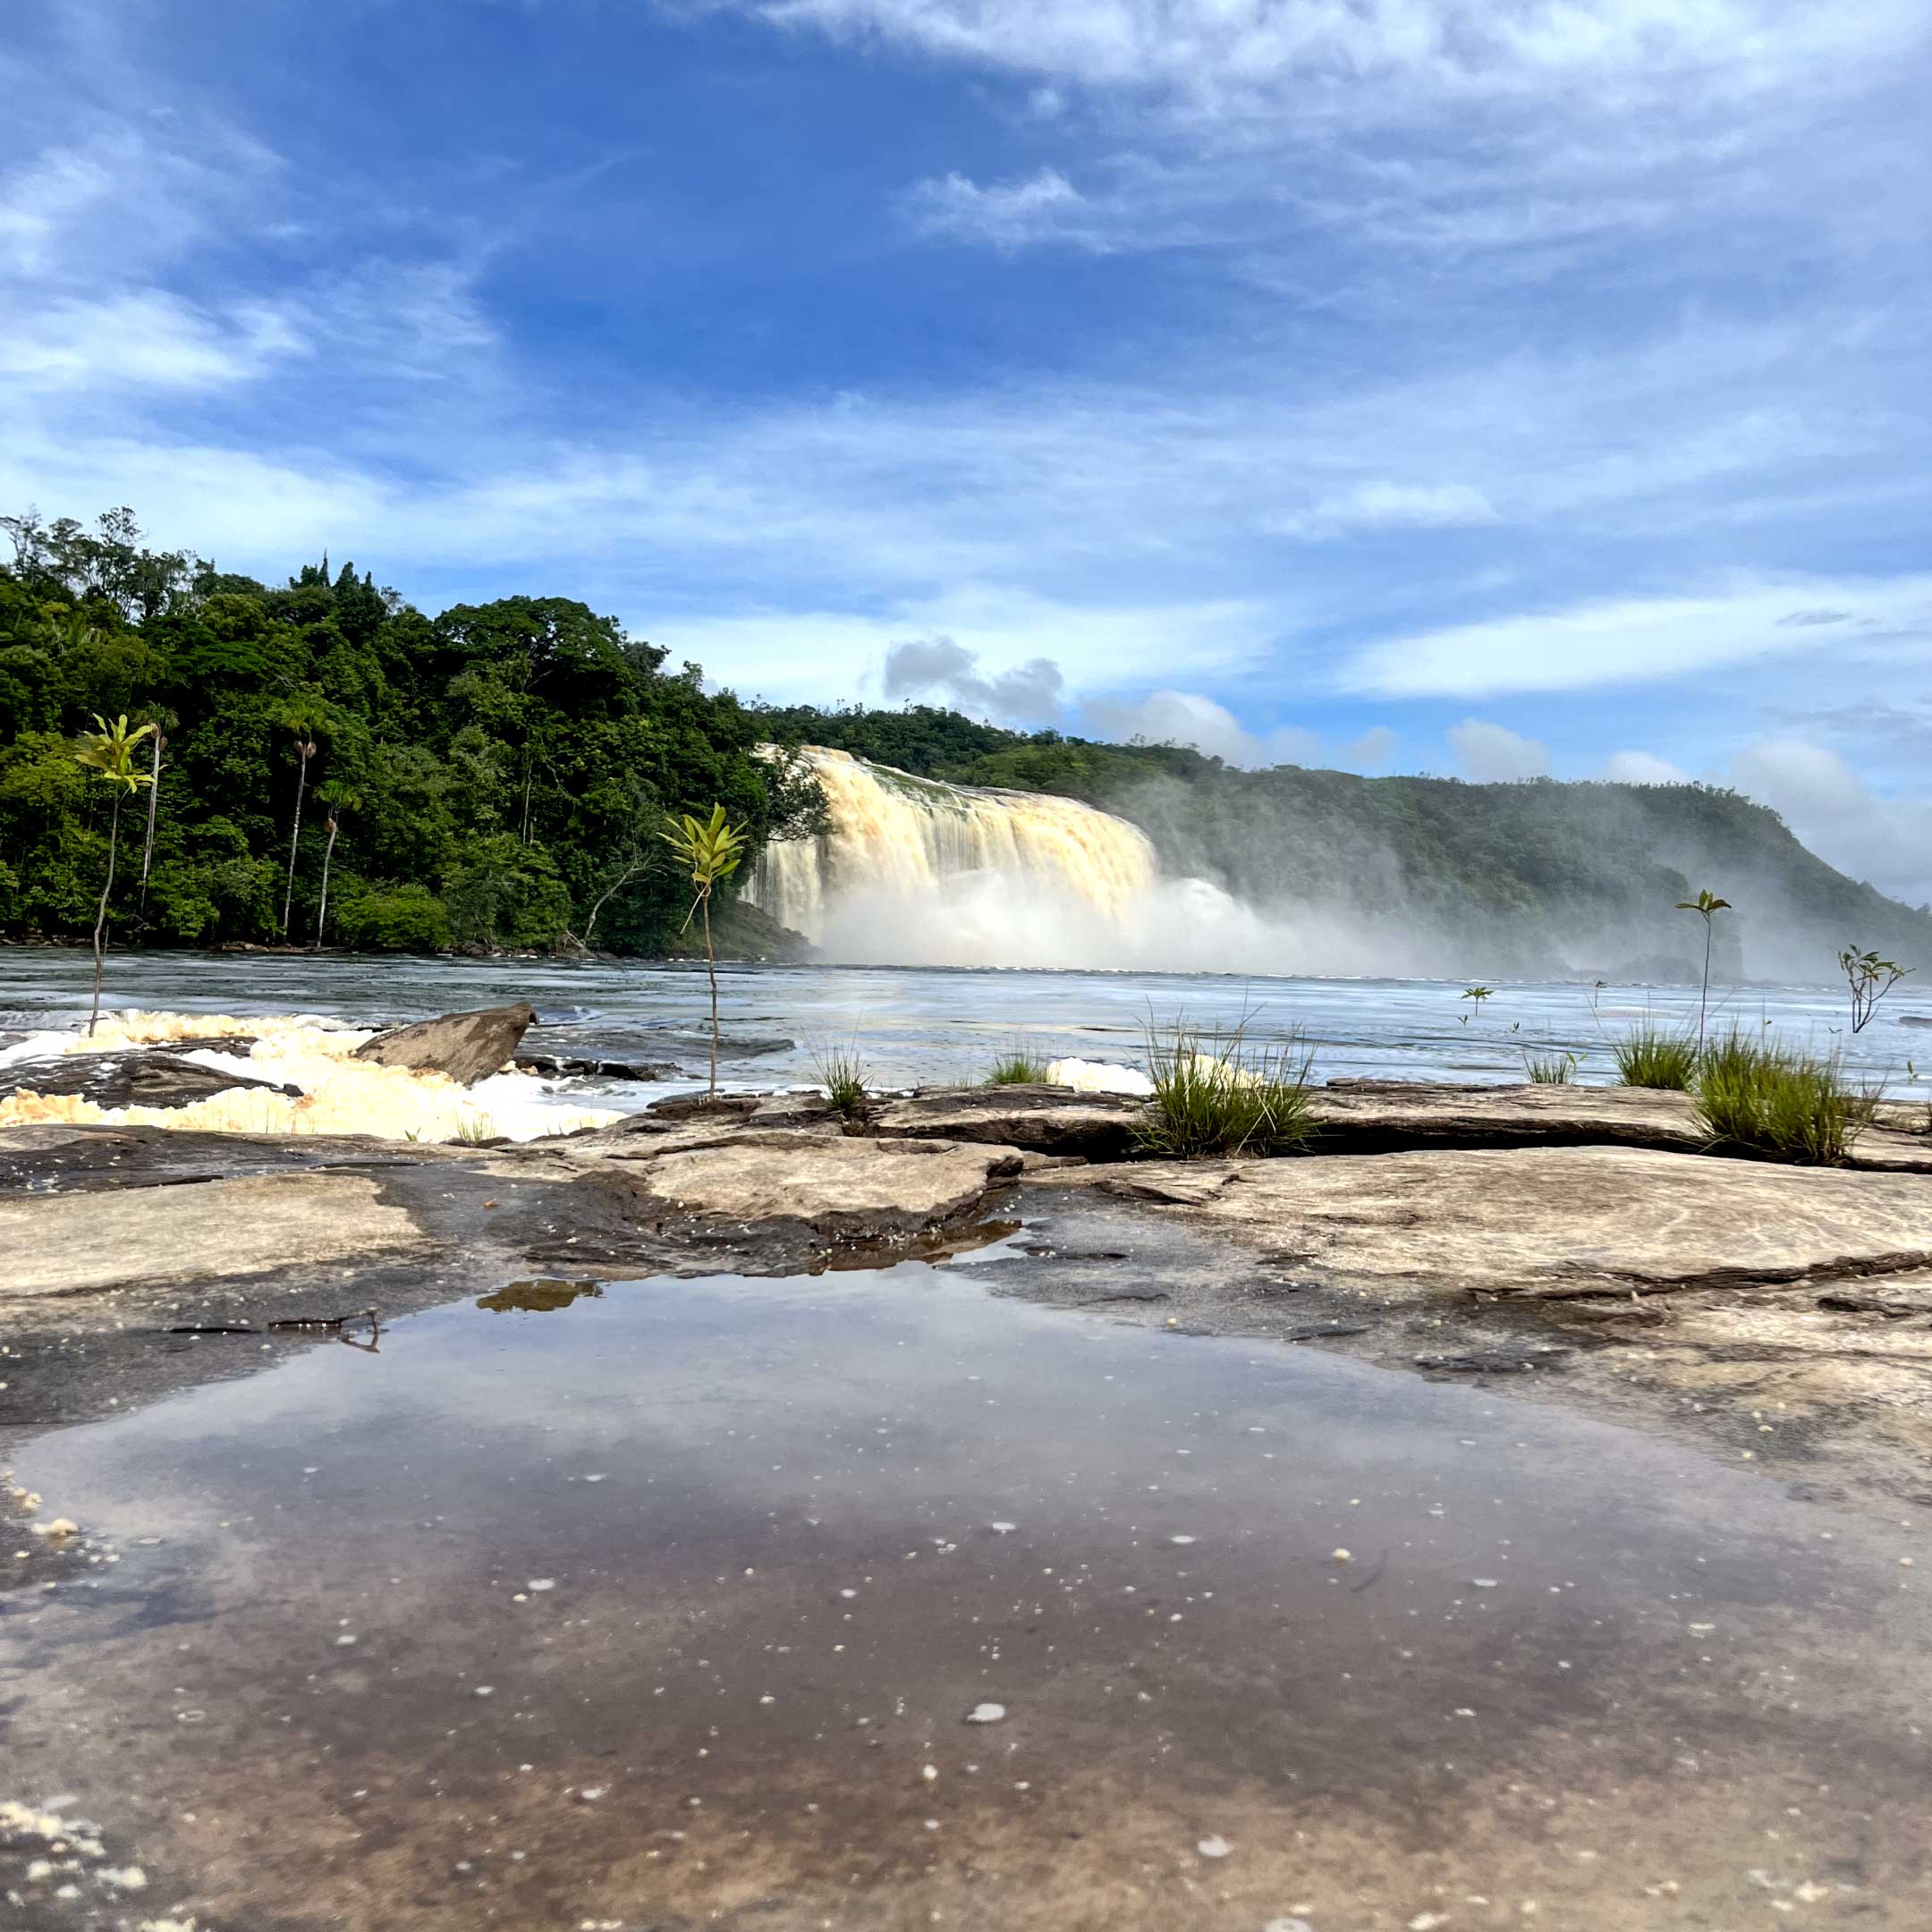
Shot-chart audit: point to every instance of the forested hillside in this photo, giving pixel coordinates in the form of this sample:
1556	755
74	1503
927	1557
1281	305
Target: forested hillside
1532	877
495	776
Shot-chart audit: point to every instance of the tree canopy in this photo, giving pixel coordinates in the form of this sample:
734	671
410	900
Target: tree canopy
511	764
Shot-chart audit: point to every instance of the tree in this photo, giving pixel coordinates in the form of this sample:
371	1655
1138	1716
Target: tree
1709	905
1870	979
303	726
712	853
110	753
337	799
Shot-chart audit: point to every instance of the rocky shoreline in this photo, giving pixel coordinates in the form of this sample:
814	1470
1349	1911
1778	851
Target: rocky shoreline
1505	1232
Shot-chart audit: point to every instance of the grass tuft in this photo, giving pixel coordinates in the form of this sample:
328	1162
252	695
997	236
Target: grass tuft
1245	1099
1771	1100
1656	1056
845	1076
1552	1069
1017	1068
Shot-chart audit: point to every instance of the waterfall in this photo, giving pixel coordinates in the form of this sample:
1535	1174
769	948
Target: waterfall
923	847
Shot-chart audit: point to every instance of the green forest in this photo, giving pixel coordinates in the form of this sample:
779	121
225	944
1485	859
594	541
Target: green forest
496	776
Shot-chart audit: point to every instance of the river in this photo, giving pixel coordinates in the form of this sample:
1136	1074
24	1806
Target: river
943	1024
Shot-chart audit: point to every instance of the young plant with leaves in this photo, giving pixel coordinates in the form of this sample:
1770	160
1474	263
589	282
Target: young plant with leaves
1707	905
1870	979
1478	994
109	754
711	851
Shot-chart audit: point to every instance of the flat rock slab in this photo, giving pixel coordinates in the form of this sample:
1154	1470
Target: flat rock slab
1390	1116
1381	1116
1055	1120
464	1047
842	1188
1558	1222
81	1243
139	1077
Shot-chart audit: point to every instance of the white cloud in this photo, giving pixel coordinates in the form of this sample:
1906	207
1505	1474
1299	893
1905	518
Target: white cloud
1638	639
1887	840
1463	49
145	339
1373	751
1386	505
1490	754
1008	214
1641	768
1175	718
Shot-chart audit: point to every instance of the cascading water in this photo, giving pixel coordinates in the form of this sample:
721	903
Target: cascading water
931	847
917	873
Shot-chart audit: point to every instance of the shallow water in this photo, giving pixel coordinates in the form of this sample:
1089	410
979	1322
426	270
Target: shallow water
941	1025
667	1603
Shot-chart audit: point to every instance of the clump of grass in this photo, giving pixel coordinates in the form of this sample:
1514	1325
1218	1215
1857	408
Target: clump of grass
1252	1099
845	1078
1017	1068
474	1128
1655	1056
1552	1069
1770	1099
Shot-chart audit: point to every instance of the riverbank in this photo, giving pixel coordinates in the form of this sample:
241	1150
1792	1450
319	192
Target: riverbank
642	1525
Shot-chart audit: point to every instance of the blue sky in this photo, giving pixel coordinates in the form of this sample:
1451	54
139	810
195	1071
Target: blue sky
1464	386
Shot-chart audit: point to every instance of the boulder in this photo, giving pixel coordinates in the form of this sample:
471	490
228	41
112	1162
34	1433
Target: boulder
139	1076
464	1047
1554	1223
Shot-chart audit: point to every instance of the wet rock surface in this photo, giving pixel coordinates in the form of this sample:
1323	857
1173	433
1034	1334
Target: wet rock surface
1053	1120
675	1604
1392	1642
139	1077
464	1047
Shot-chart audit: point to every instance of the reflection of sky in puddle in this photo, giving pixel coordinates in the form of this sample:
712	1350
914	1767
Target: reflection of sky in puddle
765	1545
906	1404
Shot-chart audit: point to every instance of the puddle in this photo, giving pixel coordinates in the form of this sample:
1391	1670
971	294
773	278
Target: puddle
677	1604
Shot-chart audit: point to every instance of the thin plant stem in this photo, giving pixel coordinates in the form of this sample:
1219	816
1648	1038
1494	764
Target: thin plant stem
301	779
154	801
100	917
711	968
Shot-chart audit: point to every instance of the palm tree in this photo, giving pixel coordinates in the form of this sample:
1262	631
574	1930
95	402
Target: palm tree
1709	905
337	799
109	753
712	851
304	727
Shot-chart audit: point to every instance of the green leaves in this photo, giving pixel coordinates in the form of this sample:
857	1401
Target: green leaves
1870	979
109	752
711	851
1706	903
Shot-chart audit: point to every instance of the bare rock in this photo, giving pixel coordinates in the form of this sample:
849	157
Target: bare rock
1053	1120
83	1242
139	1076
464	1045
1373	1116
845	1188
1552	1222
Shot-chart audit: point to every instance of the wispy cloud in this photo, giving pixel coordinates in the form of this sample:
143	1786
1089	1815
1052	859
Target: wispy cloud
1635	640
